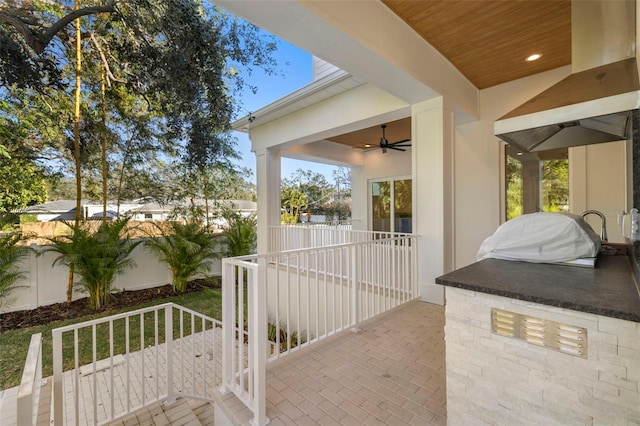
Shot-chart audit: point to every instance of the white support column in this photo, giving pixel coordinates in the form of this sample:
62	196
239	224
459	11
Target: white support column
268	178
433	177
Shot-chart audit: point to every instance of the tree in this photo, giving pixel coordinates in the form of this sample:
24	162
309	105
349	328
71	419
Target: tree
555	185
293	201
313	185
177	61
22	185
22	181
513	183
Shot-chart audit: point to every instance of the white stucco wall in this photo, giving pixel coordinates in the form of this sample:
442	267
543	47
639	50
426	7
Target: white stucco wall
478	191
598	176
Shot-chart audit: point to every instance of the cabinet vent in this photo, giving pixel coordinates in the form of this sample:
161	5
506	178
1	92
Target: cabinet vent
565	338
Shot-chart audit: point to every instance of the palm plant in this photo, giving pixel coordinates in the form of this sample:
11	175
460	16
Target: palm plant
187	249
11	253
97	257
240	234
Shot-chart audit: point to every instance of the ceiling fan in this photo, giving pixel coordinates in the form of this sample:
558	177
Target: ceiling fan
398	146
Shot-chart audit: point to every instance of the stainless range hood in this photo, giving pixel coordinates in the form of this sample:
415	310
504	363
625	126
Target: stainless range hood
595	103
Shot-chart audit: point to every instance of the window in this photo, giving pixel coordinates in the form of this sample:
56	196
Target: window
391	205
536	181
148	216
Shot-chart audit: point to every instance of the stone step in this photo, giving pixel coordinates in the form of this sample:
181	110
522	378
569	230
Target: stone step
203	410
175	413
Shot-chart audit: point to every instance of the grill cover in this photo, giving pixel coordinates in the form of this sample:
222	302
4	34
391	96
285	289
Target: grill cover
542	238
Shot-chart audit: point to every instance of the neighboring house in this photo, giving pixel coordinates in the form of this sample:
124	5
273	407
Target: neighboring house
57	210
156	211
66	209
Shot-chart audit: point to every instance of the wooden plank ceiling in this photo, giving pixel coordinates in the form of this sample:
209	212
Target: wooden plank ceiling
369	138
487	40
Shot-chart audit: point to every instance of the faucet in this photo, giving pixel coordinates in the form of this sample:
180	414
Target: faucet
603	229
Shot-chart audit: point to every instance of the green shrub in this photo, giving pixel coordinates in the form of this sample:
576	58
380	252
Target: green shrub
28	218
188	250
97	257
240	234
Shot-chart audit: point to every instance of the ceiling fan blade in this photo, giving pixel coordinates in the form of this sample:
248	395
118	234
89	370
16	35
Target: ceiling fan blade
402	141
401	145
394	147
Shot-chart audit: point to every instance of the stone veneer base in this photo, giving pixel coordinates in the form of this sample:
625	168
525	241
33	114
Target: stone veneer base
498	380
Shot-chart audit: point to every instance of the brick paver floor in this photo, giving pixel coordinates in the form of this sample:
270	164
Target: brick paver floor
390	373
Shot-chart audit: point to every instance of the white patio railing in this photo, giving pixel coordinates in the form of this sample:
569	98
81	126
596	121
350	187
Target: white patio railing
301	236
30	385
151	354
290	300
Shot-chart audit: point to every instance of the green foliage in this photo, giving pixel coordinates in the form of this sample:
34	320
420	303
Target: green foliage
555	185
513	183
98	257
28	218
172	68
240	234
22	184
9	221
310	191
294	201
284	337
337	210
288	219
187	249
11	253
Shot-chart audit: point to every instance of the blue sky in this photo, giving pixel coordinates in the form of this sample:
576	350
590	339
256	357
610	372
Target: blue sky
294	72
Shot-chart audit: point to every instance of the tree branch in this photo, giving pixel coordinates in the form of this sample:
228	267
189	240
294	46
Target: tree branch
38	41
47	35
103	58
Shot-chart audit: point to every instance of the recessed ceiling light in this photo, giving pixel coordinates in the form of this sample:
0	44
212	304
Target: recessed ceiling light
367	146
519	153
533	57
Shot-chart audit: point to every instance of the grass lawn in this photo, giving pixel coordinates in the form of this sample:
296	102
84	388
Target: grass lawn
15	343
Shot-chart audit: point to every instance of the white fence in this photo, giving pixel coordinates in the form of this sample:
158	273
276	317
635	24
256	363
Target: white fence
166	351
299	297
45	284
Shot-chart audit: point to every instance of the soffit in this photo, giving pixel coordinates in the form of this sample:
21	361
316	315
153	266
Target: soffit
370	137
489	40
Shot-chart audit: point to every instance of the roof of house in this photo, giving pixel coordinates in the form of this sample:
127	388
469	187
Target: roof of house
55	207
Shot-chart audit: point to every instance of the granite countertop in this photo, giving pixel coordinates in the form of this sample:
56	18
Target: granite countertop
609	289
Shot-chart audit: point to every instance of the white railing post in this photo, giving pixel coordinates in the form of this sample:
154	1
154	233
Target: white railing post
258	339
355	299
168	340
228	324
28	392
414	268
58	396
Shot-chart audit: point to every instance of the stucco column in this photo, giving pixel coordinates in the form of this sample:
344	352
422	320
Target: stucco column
268	178
433	176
